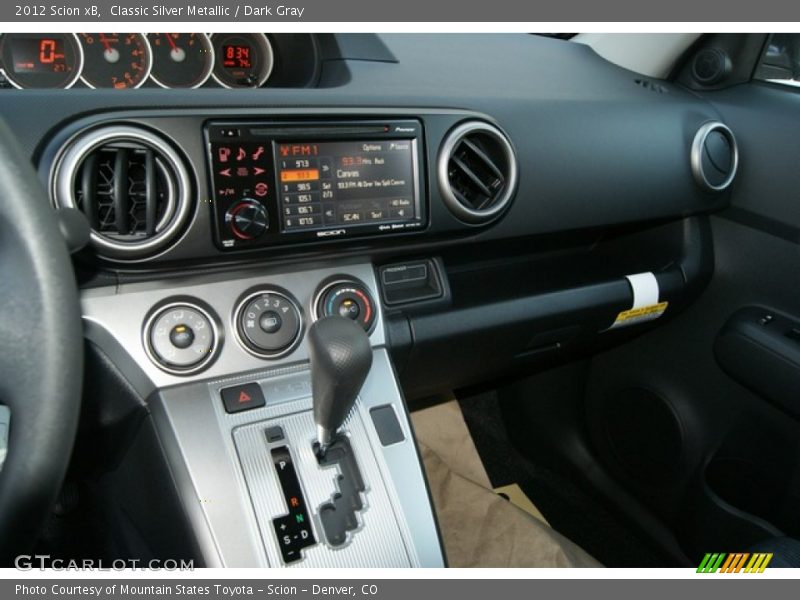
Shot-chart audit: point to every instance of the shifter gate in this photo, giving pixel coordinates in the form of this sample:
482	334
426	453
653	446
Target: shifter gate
340	514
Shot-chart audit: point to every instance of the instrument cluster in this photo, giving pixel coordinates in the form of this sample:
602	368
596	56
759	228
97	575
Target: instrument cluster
133	60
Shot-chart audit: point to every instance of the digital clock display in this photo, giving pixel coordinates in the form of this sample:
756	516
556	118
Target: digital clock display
237	57
242	60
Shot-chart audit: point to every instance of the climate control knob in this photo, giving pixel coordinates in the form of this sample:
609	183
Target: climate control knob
247	219
268	323
349	299
181	338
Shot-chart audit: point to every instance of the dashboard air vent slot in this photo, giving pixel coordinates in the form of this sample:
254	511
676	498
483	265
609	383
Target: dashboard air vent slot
652	86
130	184
124	192
477	172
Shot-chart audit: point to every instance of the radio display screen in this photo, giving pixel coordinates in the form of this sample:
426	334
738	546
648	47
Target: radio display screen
279	183
340	184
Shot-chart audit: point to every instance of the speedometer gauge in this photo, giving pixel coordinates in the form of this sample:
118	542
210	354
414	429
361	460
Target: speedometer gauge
181	60
41	60
115	60
242	59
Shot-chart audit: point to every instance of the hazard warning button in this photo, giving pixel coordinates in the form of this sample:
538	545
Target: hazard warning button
242	397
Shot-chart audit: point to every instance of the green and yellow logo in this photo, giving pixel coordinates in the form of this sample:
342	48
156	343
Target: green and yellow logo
737	562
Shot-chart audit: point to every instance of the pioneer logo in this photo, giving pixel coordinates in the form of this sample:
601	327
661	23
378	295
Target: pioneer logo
405	129
331	233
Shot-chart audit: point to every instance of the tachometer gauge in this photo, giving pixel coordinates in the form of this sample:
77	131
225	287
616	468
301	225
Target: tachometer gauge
41	60
115	60
242	59
181	60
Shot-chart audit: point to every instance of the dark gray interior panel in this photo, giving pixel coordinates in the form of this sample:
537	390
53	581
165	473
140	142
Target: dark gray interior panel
594	148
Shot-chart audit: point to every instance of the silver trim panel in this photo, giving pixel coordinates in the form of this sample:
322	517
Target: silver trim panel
5	424
120	313
214	456
378	540
696	158
216	459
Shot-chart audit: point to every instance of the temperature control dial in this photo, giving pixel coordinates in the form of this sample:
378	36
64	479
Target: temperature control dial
268	323
349	299
247	219
181	338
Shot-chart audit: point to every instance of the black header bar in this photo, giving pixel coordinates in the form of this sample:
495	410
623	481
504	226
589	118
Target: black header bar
441	11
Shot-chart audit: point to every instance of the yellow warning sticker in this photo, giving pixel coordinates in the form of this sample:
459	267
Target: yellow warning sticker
642	314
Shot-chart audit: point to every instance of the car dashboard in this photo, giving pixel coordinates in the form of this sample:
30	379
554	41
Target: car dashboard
479	205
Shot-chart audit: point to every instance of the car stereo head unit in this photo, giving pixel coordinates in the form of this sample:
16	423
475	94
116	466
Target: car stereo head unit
282	183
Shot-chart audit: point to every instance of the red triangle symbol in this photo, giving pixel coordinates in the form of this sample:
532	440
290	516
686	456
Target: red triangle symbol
243	397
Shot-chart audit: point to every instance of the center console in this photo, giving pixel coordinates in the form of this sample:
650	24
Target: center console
267	374
241	376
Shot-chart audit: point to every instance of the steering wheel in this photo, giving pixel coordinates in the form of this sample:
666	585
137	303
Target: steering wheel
41	351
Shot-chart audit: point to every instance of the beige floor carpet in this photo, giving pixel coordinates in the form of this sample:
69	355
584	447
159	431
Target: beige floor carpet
480	528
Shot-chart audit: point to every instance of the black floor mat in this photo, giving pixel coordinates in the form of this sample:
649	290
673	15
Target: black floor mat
570	510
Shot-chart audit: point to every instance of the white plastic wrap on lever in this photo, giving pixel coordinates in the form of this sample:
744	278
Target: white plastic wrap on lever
645	289
646	305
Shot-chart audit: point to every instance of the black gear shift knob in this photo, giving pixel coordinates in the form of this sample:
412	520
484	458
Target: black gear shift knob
341	357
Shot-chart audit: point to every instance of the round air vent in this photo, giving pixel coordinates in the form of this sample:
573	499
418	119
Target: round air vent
710	66
477	172
131	185
714	157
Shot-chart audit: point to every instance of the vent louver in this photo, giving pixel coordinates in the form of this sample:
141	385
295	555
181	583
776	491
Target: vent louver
132	187
477	172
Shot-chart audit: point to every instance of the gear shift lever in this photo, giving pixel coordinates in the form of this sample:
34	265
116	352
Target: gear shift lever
341	357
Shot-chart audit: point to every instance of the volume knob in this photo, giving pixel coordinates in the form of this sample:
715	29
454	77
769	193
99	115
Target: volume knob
247	219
